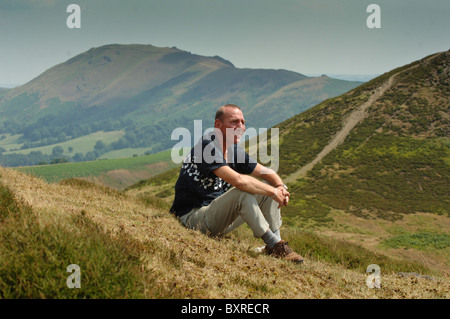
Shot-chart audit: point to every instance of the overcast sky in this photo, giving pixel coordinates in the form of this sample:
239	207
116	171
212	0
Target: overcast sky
306	36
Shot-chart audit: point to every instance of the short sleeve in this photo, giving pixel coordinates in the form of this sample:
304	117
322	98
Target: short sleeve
208	157
240	161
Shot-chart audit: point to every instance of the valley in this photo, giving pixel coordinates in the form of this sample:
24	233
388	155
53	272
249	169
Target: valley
145	92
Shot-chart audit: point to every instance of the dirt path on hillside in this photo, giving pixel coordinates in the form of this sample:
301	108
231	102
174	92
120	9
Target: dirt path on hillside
357	116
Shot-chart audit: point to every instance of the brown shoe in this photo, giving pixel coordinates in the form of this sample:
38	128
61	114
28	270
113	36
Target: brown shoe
282	250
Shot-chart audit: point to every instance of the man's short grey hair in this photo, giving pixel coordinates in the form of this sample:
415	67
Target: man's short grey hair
221	110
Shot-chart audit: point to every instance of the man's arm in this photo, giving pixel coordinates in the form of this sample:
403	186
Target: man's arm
267	174
252	185
272	178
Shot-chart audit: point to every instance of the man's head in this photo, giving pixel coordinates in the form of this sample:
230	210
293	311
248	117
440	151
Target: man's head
230	118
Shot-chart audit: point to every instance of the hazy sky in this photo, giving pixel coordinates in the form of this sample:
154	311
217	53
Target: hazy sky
306	36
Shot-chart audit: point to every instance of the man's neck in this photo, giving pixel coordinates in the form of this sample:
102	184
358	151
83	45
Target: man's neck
225	155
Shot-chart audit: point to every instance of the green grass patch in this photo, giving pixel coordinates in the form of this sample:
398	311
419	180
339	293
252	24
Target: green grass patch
125	152
420	241
58	172
8	141
82	144
385	175
348	255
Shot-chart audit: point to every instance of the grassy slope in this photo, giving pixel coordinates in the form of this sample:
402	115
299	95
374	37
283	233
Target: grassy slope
153	256
389	237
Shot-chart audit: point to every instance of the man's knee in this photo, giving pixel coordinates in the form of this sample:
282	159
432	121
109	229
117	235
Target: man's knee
246	198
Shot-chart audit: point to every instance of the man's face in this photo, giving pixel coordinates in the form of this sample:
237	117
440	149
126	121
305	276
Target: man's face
232	122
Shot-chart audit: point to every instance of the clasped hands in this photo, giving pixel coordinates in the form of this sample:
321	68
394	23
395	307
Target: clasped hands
281	196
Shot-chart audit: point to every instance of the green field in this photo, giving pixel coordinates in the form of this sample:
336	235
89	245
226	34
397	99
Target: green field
80	145
9	142
125	152
148	165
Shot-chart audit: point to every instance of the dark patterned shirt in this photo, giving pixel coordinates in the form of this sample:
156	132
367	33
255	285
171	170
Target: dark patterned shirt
197	185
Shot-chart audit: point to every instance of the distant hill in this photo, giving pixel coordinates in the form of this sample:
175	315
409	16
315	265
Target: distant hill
145	92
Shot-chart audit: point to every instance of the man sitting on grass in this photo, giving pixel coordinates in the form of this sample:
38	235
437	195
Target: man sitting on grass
219	189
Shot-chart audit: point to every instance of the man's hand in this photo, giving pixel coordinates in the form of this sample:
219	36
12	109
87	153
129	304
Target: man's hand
281	196
254	186
287	195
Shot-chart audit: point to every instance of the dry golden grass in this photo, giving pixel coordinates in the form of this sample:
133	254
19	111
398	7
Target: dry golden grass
187	264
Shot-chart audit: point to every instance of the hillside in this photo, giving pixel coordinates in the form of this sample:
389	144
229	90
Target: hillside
387	139
131	247
3	92
144	92
370	166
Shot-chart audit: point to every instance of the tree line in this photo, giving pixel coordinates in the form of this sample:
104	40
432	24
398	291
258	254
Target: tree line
155	137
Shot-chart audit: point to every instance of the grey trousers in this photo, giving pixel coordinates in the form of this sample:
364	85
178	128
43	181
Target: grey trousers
231	210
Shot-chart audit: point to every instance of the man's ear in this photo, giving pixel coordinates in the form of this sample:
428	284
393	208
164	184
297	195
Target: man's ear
217	123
